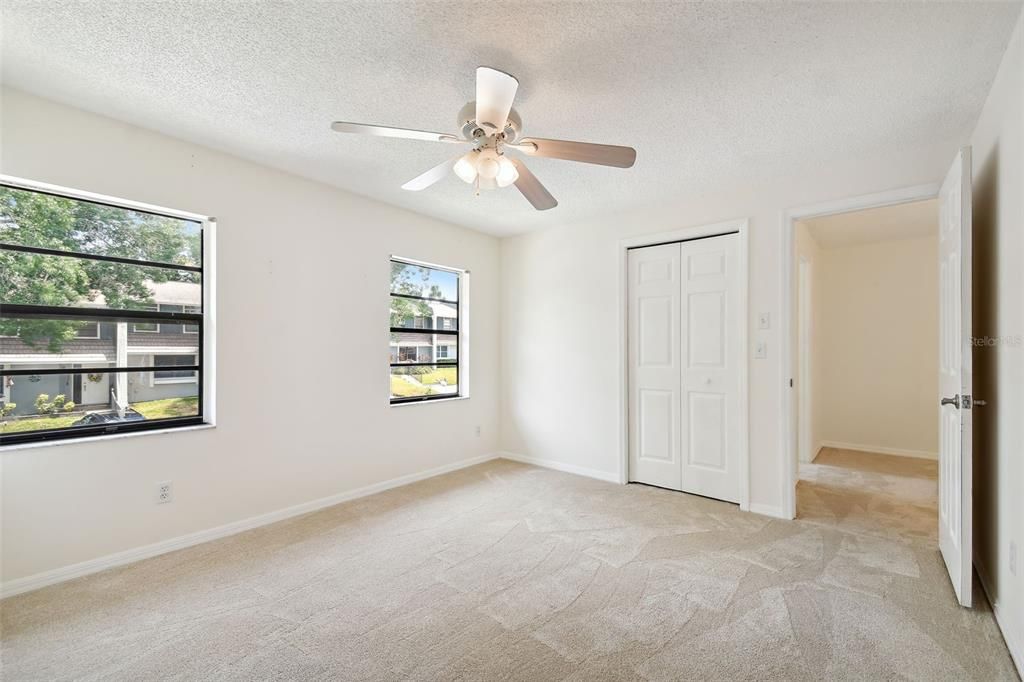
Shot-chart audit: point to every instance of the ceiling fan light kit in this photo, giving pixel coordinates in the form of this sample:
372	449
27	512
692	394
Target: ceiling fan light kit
491	125
486	165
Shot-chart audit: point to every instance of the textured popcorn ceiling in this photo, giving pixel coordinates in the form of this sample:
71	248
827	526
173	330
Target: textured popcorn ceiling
705	92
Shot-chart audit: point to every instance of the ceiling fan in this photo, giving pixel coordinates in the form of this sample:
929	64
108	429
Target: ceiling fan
492	126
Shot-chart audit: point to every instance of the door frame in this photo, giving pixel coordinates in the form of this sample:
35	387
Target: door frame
804	340
741	227
788	428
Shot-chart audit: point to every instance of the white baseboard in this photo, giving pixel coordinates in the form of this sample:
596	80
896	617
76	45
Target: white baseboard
560	466
1014	640
881	450
768	510
58	575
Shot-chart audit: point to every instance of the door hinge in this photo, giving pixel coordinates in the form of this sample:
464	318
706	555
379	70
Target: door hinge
791	383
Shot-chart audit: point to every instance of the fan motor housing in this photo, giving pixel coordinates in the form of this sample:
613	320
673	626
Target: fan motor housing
467	124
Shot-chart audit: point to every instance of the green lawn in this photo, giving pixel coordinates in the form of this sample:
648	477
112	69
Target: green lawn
168	407
150	409
38	423
400	388
435	376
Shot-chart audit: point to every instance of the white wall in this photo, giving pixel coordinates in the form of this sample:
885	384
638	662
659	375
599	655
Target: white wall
302	280
876	347
998	156
560	288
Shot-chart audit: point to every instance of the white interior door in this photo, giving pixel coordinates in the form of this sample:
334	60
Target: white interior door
654	365
955	379
710	424
684	373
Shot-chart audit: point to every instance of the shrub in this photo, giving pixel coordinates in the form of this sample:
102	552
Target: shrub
7	408
59	403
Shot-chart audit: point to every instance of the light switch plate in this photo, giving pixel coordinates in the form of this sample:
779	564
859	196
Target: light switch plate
761	350
764	321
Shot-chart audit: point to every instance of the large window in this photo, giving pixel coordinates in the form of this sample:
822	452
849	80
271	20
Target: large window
425	320
87	344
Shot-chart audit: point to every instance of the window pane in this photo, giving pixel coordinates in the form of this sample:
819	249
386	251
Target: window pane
42	220
33	279
419	347
417	280
29	344
70	401
411	313
47	341
411	382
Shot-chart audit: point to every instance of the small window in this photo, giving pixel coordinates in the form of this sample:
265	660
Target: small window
147	327
176	376
191	328
425	314
89	330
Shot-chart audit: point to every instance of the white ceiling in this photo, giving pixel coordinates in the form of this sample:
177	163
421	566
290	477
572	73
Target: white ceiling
888	223
703	91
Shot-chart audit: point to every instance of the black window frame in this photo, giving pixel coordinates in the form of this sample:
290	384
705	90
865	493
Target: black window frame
454	333
110	315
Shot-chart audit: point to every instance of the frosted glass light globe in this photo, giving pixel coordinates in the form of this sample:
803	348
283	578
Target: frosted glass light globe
465	168
507	174
488	167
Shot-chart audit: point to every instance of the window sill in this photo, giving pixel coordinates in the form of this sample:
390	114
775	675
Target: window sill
104	437
429	402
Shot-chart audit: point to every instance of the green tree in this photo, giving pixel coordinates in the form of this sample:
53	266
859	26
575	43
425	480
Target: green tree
410	280
41	220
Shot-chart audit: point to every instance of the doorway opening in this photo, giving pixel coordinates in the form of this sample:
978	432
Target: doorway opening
867	309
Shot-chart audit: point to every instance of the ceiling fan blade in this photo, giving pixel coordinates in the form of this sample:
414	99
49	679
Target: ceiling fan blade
530	186
427	179
495	92
602	154
386	131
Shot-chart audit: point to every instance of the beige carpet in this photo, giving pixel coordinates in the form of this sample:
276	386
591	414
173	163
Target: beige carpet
505	571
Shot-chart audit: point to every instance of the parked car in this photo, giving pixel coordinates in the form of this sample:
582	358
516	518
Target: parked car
110	417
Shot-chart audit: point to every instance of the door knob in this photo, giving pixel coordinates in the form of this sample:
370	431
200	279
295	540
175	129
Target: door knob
954	401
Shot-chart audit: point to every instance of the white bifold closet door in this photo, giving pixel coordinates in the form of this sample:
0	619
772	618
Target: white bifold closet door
684	357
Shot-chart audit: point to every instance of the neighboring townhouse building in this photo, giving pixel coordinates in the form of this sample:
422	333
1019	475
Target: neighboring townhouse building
109	344
419	345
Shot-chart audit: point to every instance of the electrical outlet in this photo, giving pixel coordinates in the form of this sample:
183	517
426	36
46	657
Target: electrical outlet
164	492
764	321
761	350
1013	558
477	430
